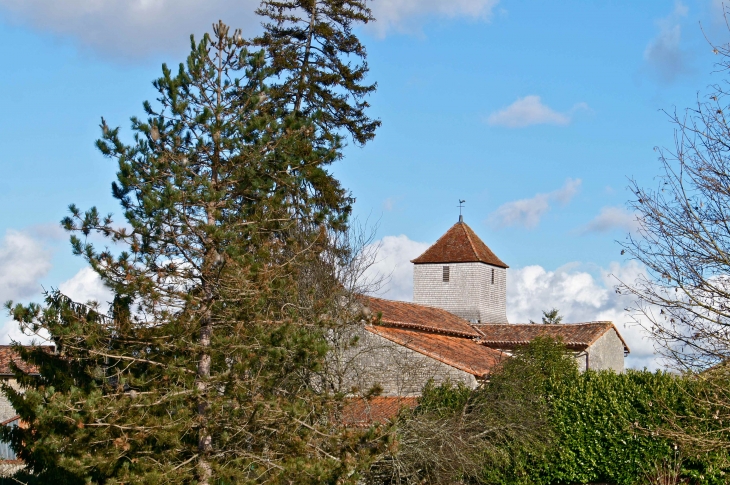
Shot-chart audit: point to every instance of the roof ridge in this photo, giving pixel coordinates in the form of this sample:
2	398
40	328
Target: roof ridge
463	226
426	329
584	333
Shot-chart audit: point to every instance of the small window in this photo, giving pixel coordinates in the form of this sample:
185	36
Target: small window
492	275
446	274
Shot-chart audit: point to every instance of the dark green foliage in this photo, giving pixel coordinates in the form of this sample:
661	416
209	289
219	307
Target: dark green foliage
320	63
551	317
607	426
208	368
570	427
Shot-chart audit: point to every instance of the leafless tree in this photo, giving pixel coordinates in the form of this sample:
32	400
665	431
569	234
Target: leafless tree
683	237
683	240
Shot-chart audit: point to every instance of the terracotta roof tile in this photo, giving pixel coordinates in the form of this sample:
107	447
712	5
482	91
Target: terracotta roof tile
8	355
462	353
574	335
362	412
459	245
411	315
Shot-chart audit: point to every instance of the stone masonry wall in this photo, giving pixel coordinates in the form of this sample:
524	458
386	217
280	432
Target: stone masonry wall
469	293
606	353
6	409
375	360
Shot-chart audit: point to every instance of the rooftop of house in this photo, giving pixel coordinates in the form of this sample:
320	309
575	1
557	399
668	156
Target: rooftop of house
472	348
465	354
459	245
362	413
8	355
575	336
419	317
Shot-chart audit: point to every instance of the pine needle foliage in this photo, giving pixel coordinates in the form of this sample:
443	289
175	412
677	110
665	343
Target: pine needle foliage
320	63
207	369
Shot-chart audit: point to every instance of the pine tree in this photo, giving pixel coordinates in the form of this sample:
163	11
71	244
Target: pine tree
551	317
206	371
312	48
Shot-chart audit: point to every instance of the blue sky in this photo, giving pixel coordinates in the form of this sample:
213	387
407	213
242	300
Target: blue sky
536	113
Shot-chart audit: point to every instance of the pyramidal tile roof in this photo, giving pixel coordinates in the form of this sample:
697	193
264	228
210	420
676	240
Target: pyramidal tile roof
459	245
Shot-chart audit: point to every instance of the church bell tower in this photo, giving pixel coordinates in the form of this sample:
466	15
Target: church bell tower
460	274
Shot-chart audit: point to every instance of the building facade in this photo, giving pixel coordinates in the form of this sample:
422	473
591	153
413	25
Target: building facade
460	274
456	329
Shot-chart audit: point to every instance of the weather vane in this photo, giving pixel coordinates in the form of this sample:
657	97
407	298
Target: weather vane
461	206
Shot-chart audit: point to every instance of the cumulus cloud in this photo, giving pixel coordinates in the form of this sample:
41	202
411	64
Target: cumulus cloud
393	264
86	286
611	218
24	261
530	110
529	212
664	54
581	294
131	28
83	287
136	29
406	15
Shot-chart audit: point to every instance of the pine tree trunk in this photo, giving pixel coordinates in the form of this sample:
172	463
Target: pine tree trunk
203	374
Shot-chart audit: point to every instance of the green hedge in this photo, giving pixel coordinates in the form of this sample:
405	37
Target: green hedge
605	428
603	424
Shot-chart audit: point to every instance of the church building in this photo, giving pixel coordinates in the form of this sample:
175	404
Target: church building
456	329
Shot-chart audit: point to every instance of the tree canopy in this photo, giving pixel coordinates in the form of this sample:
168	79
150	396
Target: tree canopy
208	368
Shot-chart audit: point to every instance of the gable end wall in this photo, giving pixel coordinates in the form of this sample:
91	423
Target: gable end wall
606	353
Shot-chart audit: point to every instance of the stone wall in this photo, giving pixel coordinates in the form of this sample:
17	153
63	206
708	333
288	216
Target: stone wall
469	293
606	353
359	360
6	409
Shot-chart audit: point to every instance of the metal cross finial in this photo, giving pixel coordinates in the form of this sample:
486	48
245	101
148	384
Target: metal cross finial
461	206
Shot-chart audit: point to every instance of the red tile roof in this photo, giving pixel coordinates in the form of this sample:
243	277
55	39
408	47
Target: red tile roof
8	355
421	317
459	245
462	353
362	412
574	335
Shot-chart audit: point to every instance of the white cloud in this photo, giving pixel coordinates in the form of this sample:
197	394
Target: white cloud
566	193
530	110
134	29
581	295
23	262
86	286
664	54
393	262
131	28
82	287
528	212
407	15
611	218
